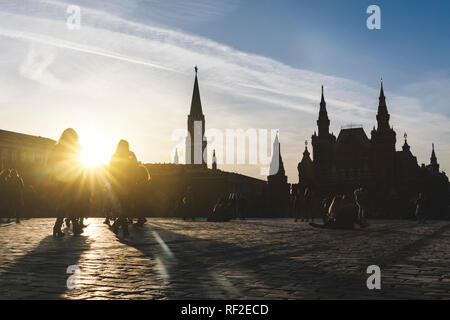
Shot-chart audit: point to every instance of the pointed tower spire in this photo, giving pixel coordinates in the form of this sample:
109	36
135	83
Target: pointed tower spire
196	104
276	165
323	105
433	159
323	122
382	115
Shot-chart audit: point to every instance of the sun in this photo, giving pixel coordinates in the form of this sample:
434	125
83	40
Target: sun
94	151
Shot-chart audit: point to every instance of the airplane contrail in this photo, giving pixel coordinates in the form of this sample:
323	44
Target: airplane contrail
77	47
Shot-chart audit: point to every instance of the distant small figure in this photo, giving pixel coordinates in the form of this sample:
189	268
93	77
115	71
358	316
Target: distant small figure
140	193
307	205
15	187
298	201
362	201
188	204
420	209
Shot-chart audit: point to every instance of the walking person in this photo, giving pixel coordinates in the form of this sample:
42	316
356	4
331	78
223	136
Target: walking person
187	204
420	209
4	194
307	205
298	200
15	189
65	175
141	189
121	177
362	201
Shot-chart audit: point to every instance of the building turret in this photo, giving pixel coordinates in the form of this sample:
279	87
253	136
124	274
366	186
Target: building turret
305	168
406	146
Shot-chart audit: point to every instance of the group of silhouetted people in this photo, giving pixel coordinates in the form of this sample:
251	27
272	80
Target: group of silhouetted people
12	194
340	211
230	206
124	185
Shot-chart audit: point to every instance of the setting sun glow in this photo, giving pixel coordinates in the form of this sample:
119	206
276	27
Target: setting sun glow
94	151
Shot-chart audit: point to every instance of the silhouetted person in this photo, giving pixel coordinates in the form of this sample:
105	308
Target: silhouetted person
107	203
307	205
347	214
325	205
4	194
362	201
15	189
187	203
66	175
298	204
122	177
420	209
141	184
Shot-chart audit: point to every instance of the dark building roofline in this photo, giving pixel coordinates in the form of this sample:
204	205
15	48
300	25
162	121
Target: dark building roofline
17	137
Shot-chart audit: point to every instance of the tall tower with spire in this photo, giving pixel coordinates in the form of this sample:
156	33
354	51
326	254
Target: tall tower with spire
196	143
323	143
383	142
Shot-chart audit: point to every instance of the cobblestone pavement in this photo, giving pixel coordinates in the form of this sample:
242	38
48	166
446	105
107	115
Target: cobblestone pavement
253	259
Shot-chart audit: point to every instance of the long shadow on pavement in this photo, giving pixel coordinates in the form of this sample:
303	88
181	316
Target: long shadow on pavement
213	269
42	273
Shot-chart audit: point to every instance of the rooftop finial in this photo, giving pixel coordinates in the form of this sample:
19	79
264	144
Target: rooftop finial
196	70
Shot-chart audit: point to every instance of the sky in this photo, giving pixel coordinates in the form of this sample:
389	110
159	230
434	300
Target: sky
128	71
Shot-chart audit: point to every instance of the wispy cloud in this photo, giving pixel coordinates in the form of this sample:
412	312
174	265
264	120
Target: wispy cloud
135	80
